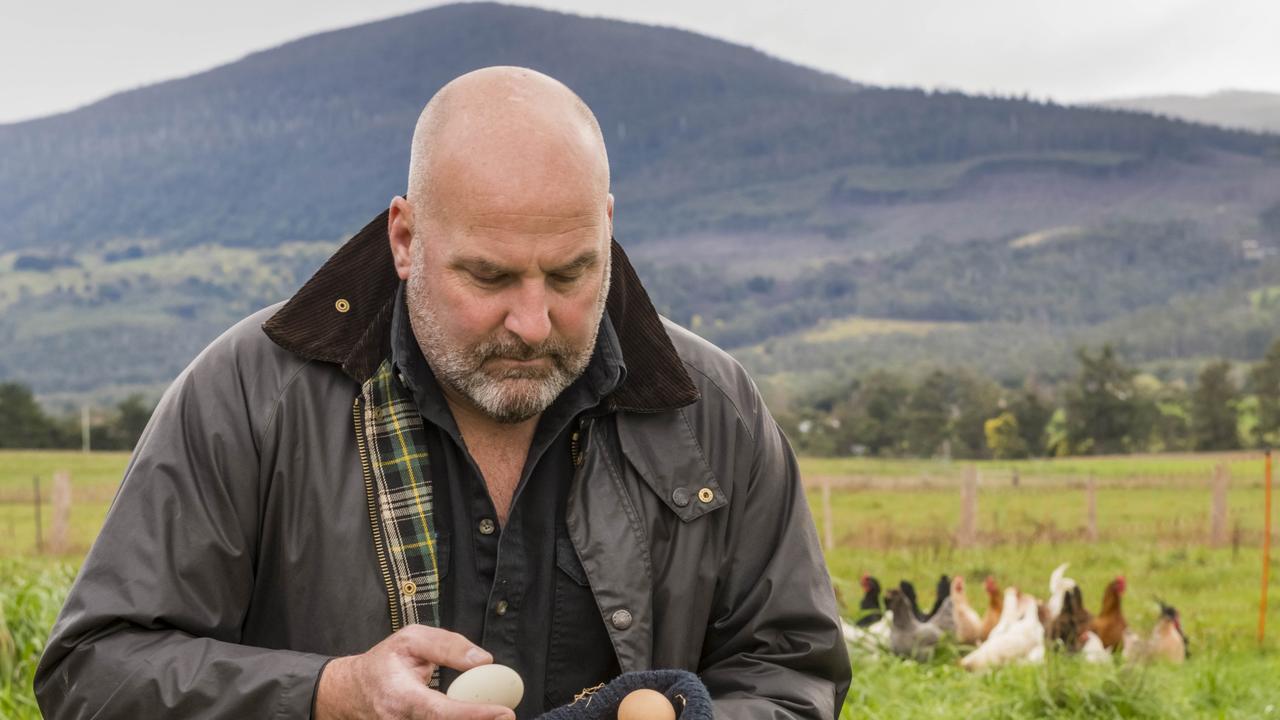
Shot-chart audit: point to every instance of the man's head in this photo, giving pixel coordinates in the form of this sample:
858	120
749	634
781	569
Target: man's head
504	239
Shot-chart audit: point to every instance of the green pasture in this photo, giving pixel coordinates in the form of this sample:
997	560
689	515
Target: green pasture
895	519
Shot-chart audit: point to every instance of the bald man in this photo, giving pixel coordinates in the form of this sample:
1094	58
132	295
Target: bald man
467	439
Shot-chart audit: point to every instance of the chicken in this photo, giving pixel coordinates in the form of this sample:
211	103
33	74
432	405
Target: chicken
874	638
941	591
1059	586
1071	624
1018	636
1167	641
908	637
1092	650
968	626
995	604
1109	623
909	591
869	610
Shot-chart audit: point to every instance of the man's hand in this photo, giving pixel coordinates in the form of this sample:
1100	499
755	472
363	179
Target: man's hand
389	682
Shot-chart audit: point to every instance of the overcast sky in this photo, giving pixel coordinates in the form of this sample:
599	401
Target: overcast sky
56	55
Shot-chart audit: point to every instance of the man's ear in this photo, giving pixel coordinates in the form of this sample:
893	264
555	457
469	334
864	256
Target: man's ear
400	233
608	209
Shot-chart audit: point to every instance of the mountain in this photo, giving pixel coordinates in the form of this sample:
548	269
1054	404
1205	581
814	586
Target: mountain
760	199
1242	109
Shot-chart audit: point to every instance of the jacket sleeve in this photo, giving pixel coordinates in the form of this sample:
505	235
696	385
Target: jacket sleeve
774	647
151	626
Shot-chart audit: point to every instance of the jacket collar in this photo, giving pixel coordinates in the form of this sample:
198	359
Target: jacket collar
342	315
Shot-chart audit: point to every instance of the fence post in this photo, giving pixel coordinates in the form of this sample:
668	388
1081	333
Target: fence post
1218	513
968	531
61	525
1266	554
1091	509
35	484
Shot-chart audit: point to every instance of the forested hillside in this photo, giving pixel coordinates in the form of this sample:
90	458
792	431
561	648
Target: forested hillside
818	227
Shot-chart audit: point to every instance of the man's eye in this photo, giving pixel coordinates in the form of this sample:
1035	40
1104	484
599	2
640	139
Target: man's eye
565	279
488	279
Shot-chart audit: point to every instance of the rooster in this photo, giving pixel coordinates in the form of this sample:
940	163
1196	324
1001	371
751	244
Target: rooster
908	637
869	610
995	603
941	591
1019	635
1072	622
1167	641
1109	623
1059	586
968	626
909	592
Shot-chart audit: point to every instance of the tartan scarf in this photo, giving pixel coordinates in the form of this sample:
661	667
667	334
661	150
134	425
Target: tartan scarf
396	439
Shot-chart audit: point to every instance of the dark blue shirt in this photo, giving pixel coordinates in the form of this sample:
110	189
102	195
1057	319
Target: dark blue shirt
519	591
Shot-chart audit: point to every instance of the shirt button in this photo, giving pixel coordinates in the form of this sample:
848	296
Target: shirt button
621	619
409	588
680	497
500	608
487	527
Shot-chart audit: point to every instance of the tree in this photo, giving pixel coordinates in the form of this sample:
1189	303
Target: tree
872	417
1214	422
1104	411
1033	414
1264	382
23	423
1004	439
927	417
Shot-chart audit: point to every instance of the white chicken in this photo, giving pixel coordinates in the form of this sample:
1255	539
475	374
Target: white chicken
1019	636
1059	586
1092	650
874	638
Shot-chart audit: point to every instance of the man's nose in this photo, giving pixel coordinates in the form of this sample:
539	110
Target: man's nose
528	316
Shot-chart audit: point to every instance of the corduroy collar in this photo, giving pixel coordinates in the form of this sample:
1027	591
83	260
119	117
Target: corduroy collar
342	315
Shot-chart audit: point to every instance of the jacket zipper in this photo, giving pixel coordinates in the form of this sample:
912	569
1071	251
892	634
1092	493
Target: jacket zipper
371	497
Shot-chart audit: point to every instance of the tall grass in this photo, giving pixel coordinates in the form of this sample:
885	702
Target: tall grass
31	593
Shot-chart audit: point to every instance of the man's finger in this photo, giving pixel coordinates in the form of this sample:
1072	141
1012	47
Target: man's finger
443	648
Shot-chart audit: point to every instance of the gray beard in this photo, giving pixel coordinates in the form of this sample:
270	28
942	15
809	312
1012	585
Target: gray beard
509	395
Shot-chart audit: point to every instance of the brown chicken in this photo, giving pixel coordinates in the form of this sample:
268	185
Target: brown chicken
995	604
1109	623
1069	627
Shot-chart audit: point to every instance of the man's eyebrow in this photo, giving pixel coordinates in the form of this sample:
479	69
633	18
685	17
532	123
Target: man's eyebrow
582	262
484	266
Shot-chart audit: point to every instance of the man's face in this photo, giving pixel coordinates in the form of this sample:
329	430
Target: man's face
506	303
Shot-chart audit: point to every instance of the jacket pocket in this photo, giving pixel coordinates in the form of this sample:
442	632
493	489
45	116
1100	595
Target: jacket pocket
579	654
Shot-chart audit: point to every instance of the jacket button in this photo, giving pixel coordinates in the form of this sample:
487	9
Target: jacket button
680	497
487	526
342	305
500	608
706	495
409	588
621	619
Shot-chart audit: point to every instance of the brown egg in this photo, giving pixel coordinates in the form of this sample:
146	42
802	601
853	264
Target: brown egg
646	705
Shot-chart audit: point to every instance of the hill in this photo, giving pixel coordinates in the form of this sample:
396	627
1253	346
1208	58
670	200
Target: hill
758	197
1242	109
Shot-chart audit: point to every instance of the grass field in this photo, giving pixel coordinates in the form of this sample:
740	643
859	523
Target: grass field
896	520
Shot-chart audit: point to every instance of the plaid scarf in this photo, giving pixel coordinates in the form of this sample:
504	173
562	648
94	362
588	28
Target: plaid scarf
400	468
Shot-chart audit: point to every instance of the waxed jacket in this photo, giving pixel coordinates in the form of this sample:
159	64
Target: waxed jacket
242	550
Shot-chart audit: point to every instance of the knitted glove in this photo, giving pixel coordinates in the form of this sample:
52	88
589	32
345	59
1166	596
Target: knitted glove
685	691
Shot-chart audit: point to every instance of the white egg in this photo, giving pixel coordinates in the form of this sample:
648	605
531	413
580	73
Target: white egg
496	684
